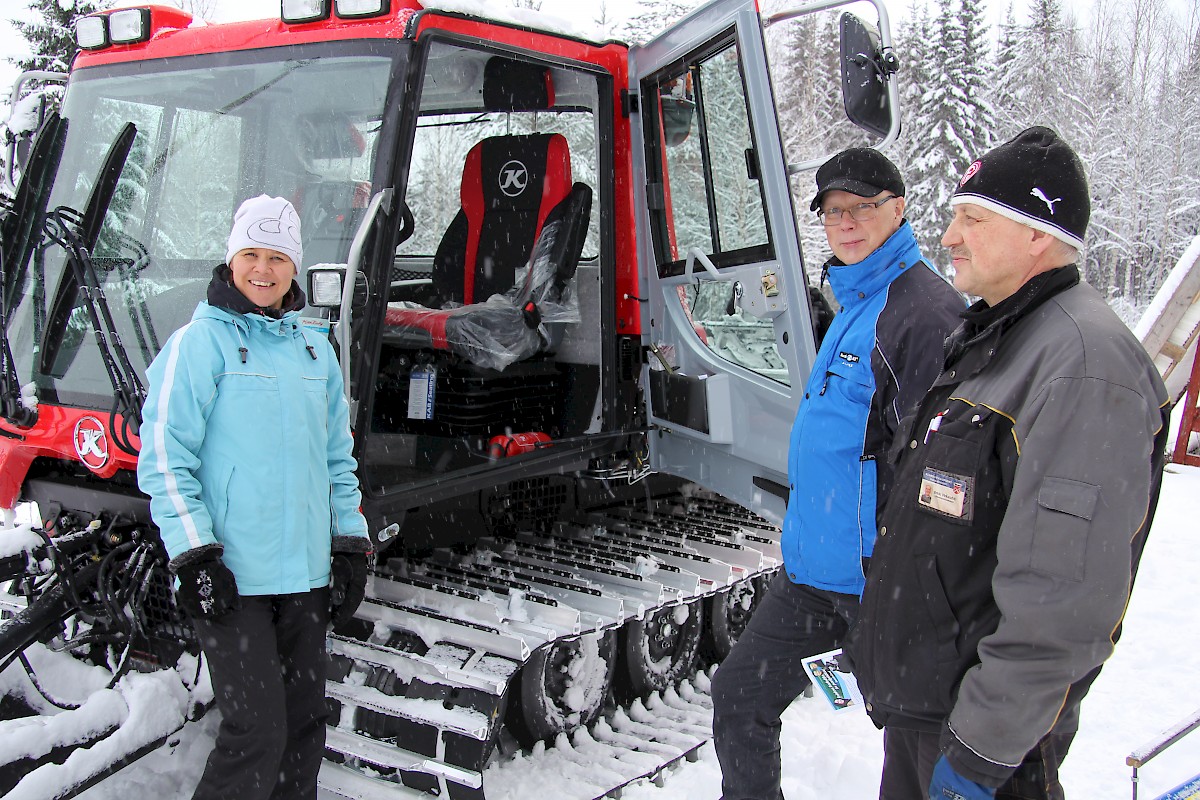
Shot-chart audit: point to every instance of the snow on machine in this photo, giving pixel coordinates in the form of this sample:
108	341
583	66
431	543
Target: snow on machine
564	281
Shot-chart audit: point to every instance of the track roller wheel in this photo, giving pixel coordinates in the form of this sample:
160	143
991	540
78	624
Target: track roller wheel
562	687
728	614
659	651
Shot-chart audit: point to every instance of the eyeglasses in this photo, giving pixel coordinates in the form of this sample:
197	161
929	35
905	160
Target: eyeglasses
863	212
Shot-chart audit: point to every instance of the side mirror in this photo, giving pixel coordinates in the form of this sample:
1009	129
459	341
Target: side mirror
26	116
678	107
677	120
866	69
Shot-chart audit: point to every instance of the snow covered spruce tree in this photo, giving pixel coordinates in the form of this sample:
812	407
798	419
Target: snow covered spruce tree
952	119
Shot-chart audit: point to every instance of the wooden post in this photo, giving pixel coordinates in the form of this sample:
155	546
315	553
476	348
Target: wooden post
1191	417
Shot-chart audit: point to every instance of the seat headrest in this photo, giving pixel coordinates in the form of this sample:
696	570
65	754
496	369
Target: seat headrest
516	86
512	173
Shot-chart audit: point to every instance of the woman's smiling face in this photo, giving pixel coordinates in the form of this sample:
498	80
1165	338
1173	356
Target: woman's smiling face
262	275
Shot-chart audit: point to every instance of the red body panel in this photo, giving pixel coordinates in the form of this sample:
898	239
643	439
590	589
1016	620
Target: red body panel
54	437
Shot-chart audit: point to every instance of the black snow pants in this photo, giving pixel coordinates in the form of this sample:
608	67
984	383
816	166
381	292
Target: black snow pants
267	663
763	674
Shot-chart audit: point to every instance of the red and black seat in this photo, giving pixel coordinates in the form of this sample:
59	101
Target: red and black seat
510	184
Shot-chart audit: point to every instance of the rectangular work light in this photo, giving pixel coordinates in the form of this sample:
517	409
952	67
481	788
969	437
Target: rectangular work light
295	11
91	33
325	287
353	9
129	25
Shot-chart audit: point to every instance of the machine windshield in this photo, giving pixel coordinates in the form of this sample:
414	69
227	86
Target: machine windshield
300	122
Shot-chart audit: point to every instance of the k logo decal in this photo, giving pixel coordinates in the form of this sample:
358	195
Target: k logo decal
91	443
514	177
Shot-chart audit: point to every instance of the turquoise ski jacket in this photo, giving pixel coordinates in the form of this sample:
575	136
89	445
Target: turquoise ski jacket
246	443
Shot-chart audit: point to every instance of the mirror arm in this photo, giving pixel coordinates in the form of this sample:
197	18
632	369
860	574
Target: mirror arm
888	66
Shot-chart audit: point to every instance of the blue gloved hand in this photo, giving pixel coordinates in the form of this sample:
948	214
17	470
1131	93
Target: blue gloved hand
949	785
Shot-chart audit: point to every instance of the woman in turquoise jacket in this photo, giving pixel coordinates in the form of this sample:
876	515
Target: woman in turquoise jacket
246	457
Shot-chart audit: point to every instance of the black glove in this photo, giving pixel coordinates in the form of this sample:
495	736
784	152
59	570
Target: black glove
347	577
207	589
822	313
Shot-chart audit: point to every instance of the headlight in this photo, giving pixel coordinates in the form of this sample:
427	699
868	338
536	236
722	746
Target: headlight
362	8
129	25
305	10
325	287
91	33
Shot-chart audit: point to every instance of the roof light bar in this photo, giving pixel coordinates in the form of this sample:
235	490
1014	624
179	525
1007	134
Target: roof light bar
129	25
354	9
91	33
295	11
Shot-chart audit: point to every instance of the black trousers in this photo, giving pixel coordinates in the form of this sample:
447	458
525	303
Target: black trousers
761	677
267	663
909	756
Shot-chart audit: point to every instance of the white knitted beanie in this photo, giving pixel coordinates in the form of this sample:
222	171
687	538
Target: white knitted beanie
266	222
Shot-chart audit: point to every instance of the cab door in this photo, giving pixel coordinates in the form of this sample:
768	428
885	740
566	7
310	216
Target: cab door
725	315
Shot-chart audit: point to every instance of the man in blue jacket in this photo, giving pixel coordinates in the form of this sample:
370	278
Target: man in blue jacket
246	457
880	354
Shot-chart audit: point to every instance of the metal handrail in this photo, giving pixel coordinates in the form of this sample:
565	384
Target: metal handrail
382	199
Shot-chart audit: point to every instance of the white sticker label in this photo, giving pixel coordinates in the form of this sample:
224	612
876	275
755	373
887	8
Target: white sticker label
421	385
315	324
945	493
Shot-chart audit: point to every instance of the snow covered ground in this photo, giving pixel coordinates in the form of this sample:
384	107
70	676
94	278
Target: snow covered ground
1150	684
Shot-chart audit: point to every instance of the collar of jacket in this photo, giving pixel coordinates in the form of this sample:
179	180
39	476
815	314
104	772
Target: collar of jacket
855	282
284	325
977	339
223	294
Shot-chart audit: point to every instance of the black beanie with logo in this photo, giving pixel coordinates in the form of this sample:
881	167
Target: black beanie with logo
1035	179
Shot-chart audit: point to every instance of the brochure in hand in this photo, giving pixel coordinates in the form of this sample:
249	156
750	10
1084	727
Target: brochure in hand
833	682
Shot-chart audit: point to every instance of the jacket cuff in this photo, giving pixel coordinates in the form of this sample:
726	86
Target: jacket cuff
205	552
351	544
970	764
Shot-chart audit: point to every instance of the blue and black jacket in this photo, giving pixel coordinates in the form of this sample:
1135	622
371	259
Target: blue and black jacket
881	353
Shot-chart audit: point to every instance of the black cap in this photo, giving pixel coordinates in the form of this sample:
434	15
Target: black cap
1034	178
858	170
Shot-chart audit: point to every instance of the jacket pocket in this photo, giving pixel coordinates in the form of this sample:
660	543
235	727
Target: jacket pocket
949	479
1064	518
851	381
219	510
945	624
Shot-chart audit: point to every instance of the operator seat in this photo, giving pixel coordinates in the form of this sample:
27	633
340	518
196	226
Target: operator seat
510	184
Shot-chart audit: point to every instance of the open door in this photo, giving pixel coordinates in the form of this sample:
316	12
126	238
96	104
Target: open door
727	315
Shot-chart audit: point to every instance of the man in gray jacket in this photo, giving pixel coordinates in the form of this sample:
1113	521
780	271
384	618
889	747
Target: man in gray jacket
1024	487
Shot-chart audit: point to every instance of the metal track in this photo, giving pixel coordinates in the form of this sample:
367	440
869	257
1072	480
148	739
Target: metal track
628	747
422	695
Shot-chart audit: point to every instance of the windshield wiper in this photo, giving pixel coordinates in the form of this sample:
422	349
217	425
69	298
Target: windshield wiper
21	227
66	294
77	234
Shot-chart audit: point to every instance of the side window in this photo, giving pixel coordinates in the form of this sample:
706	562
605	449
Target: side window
704	194
704	191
